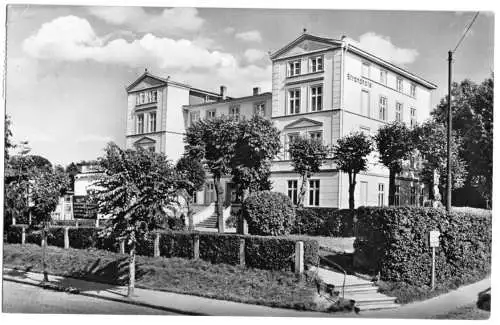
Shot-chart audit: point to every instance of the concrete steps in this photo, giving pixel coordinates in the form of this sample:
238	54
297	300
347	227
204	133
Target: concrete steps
363	292
210	222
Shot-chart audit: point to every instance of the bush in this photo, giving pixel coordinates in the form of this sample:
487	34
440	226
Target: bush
268	213
13	234
83	238
395	242
324	222
176	244
55	237
220	248
232	220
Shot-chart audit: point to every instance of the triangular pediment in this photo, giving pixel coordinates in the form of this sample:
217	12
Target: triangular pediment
145	81
303	123
302	45
144	140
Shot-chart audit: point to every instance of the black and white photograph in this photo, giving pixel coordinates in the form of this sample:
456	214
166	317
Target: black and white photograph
217	160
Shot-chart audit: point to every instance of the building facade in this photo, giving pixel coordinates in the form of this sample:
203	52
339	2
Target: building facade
321	88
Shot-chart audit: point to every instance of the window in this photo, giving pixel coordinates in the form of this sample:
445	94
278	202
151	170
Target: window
316	136
413	112
365	70
294	68
140	123
314	192
195	117
211	114
363	193
381	194
152	122
260	109
399	111
294	101
399	84
383	77
413	195
365	103
317	64
413	90
316	98
396	195
210	193
234	112
289	139
292	191
382	112
151	148
421	197
146	97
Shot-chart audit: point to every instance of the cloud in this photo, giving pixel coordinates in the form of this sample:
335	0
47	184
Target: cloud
174	20
73	39
250	36
229	30
93	138
383	47
253	55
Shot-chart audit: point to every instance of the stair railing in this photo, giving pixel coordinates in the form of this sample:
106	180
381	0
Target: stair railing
334	265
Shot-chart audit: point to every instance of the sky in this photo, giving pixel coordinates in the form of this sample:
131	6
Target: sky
68	66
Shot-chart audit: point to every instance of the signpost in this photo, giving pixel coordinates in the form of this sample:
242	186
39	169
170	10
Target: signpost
433	243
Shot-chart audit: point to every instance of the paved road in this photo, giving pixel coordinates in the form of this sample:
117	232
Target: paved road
23	298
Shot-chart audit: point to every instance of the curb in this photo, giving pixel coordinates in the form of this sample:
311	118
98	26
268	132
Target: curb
126	301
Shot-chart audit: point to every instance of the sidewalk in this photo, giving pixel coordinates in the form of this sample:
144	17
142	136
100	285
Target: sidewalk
179	303
439	305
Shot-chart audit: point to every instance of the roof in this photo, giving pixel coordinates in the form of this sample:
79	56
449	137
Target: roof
168	81
358	51
230	99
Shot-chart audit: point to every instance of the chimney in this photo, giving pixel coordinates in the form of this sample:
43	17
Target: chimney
256	91
223	92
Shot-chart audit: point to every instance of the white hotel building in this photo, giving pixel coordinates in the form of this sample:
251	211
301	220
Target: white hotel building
322	88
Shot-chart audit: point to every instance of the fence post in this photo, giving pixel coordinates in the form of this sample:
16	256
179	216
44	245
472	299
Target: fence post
242	252
196	247
13	220
299	257
66	237
97	222
157	245
23	236
122	246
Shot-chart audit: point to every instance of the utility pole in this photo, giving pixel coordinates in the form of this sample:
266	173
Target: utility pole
448	137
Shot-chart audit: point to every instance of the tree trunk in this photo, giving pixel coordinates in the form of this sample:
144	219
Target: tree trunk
44	259
190	213
392	186
218	204
131	272
352	187
302	194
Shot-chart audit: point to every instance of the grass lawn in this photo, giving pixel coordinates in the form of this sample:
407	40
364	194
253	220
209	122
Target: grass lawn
196	277
466	312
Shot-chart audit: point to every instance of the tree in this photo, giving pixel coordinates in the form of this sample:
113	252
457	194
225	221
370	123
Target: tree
472	107
138	190
45	187
430	141
7	138
394	144
350	154
191	176
30	162
72	170
307	156
213	142
257	144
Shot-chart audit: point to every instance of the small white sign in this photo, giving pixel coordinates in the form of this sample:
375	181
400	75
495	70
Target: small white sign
434	238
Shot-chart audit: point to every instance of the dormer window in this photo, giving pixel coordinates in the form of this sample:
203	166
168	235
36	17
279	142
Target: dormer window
399	84
317	64
294	68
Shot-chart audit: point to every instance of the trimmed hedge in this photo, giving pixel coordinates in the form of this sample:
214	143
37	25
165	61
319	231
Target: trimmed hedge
262	252
268	213
395	242
324	222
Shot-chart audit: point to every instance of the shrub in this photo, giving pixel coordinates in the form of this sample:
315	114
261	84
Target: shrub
268	213
13	234
55	237
324	222
394	241
176	244
83	238
220	248
232	220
